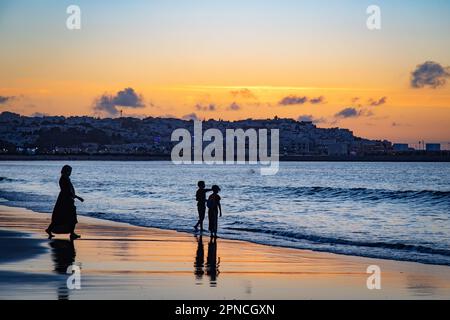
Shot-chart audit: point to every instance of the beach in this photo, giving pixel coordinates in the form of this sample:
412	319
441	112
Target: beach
121	261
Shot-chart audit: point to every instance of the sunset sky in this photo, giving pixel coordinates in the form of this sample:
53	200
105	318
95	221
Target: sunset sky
234	59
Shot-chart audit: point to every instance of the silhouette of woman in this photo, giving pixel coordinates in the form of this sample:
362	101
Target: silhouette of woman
214	208
64	217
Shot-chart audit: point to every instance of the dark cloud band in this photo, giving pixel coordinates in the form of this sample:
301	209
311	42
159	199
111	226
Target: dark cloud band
299	100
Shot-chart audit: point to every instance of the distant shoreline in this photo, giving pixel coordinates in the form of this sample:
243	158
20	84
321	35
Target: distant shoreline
374	158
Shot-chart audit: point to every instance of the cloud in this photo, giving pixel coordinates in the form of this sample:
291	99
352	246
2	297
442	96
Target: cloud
298	100
190	117
243	93
126	98
5	99
351	112
347	113
318	100
209	107
310	118
379	102
293	100
429	74
357	102
234	107
106	104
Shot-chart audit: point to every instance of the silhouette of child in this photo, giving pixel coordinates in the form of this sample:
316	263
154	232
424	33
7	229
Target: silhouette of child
200	196
214	208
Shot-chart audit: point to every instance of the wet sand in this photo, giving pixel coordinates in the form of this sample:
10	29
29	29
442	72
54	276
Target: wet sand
120	261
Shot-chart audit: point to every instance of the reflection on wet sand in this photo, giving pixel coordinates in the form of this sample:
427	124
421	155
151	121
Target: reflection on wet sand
199	262
212	263
63	255
125	262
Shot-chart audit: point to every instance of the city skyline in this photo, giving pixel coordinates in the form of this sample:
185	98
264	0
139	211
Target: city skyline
152	133
304	60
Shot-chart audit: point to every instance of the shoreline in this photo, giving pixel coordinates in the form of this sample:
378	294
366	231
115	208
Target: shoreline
236	239
121	261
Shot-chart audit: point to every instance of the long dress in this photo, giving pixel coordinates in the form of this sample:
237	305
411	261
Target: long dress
64	217
213	212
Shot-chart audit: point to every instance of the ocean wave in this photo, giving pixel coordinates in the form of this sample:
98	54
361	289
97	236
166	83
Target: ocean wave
364	194
345	242
7	179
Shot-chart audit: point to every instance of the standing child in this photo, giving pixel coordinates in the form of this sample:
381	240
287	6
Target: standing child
200	196
214	208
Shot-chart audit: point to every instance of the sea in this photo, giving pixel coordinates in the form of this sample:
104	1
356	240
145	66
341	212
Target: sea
391	210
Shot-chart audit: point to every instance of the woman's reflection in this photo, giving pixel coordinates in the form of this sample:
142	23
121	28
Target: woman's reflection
63	255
